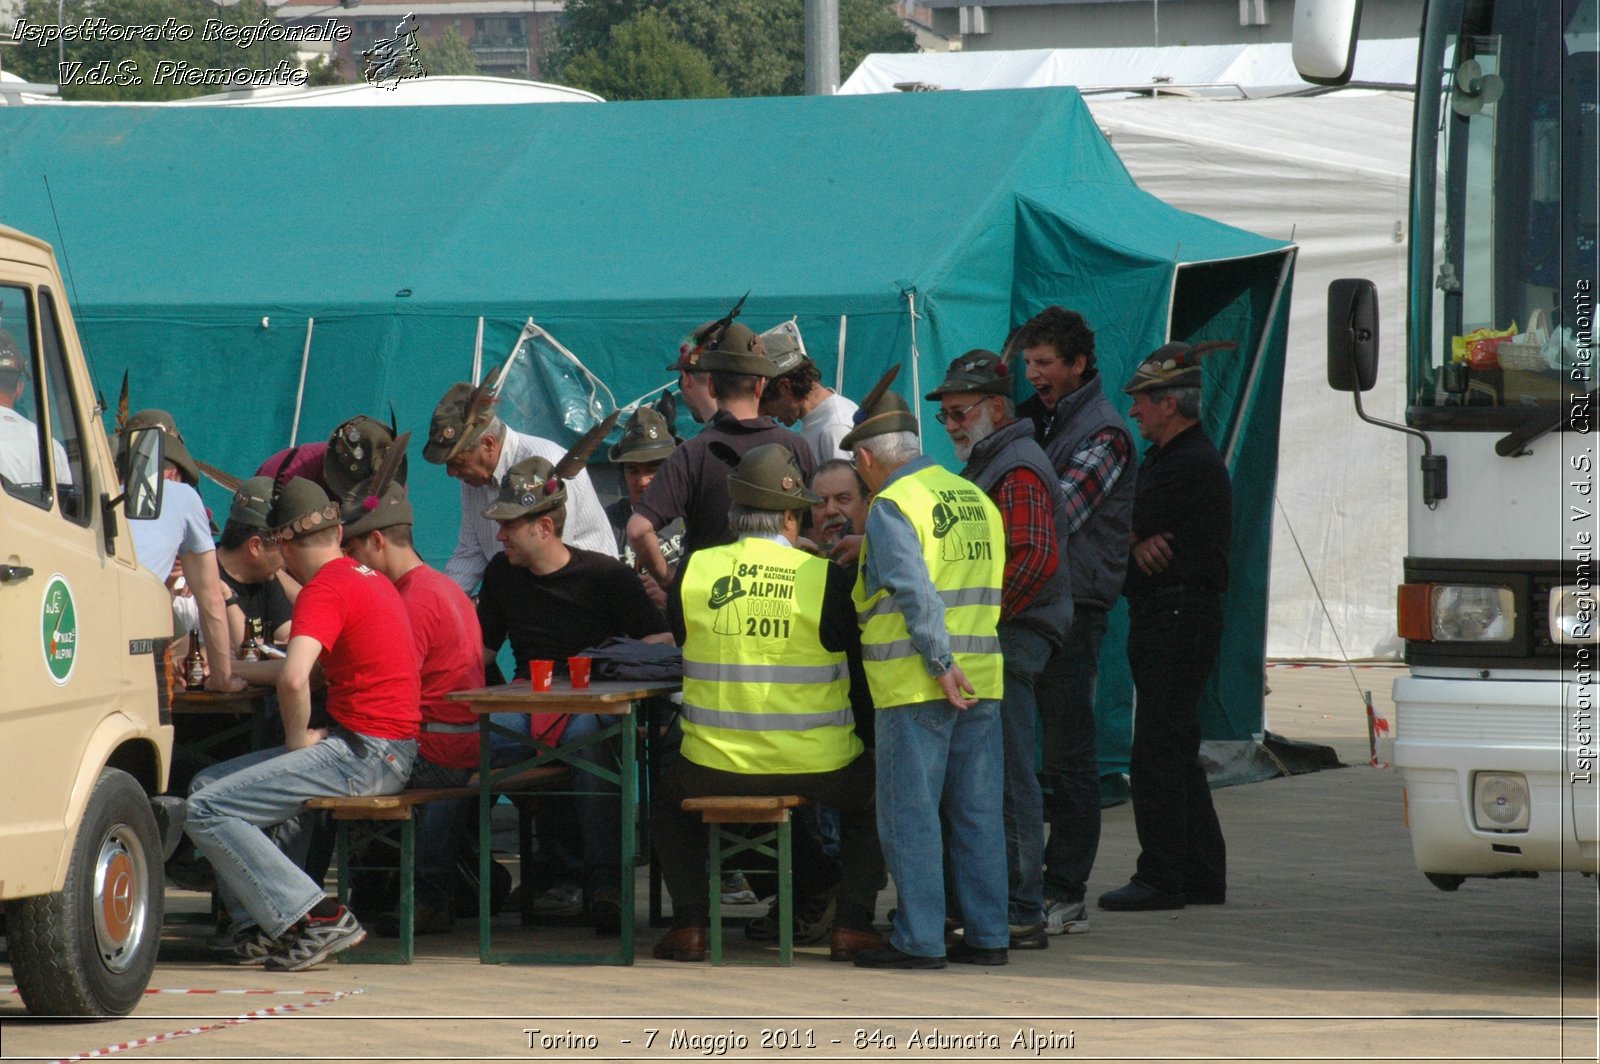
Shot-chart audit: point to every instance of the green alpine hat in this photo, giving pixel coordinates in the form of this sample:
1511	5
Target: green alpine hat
880	413
176	452
458	421
739	350
769	478
646	438
252	504
300	507
979	371
354	451
1174	365
530	487
690	350
365	512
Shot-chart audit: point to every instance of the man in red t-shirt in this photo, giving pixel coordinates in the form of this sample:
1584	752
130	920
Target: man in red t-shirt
350	620
449	642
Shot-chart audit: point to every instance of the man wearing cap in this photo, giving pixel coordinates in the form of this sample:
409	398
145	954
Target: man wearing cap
1002	458
797	394
766	706
478	449
351	621
551	601
19	437
449	645
1177	575
646	442
349	456
182	533
1092	451
692	483
928	601
252	565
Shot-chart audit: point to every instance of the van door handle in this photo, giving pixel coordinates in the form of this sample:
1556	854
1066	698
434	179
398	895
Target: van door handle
14	572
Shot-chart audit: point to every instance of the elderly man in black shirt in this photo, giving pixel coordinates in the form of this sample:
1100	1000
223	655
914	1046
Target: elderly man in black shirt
1178	571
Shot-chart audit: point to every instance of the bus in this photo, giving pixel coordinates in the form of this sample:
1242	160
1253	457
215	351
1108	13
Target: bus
1494	732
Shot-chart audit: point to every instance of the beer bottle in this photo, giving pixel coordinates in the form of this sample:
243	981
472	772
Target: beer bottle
194	665
250	649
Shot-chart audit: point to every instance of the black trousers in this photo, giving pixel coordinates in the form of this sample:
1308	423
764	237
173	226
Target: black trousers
1173	641
680	837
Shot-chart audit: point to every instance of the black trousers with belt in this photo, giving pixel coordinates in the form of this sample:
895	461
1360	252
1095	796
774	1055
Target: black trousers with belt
1173	640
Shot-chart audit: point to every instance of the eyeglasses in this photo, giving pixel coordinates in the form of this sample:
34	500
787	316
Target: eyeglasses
958	416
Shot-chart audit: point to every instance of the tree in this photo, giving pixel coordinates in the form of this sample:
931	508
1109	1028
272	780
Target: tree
150	49
641	60
448	54
756	47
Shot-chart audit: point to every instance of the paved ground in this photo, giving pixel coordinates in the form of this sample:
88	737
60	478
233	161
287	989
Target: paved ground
1331	947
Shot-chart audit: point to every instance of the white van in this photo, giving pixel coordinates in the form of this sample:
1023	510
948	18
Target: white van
85	719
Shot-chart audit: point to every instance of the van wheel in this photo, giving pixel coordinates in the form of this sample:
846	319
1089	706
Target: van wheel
90	949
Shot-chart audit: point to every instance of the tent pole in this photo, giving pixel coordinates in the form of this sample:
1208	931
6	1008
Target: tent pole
477	355
300	393
1231	444
916	369
838	373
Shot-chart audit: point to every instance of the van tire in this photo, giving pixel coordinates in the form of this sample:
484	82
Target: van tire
90	949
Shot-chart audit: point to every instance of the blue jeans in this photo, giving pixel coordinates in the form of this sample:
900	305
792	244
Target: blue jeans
931	754
442	827
1026	652
228	818
599	810
1071	772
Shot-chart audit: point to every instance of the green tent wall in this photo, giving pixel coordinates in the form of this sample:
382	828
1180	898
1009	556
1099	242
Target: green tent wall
200	241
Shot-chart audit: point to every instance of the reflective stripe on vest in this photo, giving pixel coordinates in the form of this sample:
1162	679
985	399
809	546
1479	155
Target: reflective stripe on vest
761	694
963	547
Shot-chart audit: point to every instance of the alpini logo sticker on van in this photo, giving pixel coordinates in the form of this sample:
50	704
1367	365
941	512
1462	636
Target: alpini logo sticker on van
58	629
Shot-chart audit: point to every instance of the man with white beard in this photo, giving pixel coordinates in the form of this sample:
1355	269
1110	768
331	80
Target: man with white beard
976	409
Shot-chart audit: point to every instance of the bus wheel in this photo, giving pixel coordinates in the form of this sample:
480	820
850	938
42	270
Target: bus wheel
90	949
1445	881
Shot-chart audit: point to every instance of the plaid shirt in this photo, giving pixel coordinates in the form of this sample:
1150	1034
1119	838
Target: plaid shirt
1024	505
1093	471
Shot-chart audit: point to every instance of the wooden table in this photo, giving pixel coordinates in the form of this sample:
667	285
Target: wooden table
616	699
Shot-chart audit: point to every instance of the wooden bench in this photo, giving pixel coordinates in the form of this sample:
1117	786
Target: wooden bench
720	810
391	819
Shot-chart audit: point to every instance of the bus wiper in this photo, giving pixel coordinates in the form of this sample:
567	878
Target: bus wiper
1514	443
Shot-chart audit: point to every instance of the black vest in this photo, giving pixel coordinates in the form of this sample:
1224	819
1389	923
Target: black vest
1050	611
1099	549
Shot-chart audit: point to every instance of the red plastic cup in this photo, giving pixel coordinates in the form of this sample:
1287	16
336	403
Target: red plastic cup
539	672
579	668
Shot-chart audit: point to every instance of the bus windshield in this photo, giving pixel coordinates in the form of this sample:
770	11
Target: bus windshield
1503	272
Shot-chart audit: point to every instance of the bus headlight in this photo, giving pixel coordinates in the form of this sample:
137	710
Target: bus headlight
1572	615
1500	801
1457	613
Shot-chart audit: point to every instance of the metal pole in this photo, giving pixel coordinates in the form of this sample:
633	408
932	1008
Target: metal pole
822	47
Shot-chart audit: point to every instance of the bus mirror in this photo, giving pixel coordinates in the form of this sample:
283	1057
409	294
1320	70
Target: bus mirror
1325	39
1352	334
143	489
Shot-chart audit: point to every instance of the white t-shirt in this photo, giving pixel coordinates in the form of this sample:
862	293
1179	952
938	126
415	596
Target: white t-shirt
182	528
19	450
828	423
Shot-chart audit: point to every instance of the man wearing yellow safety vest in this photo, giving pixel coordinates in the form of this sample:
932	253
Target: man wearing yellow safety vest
928	600
766	706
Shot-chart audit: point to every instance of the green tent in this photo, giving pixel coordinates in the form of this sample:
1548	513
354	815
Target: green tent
214	252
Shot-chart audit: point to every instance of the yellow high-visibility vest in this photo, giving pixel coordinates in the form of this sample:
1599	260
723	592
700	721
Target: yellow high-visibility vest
964	549
761	694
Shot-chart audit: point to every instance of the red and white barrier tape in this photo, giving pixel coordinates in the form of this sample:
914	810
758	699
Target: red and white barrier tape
258	1014
158	990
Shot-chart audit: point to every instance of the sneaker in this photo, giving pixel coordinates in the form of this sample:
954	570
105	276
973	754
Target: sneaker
1065	917
316	940
245	946
736	890
813	919
563	899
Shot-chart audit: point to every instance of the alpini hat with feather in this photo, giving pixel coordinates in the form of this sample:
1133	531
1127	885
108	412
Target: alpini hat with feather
299	508
380	501
459	419
769	478
881	412
1173	365
534	486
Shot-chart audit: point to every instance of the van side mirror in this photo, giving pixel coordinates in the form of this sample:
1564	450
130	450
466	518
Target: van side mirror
1352	334
146	458
1324	38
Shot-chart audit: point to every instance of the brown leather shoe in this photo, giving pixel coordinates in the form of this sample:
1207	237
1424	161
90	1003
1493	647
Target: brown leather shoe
682	944
844	943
